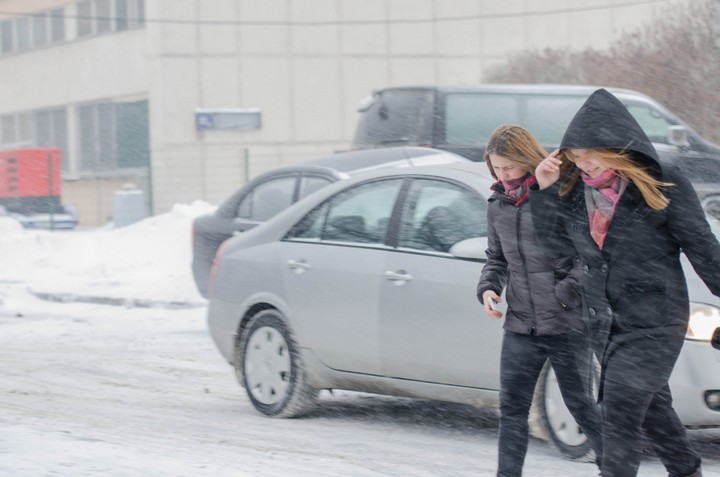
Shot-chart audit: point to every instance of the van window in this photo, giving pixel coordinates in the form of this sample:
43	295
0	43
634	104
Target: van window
397	118
547	117
472	117
652	121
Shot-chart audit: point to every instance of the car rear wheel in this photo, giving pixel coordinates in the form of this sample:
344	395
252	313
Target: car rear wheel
269	366
551	420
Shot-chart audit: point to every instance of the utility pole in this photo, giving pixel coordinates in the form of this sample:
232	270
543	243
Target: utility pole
51	206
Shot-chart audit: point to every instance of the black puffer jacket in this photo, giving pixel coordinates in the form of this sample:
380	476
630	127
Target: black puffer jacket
634	287
542	293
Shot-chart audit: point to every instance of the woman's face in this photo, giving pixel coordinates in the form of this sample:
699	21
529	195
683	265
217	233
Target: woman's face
505	169
587	161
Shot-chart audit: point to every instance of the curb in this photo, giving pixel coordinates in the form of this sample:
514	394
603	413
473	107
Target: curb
116	301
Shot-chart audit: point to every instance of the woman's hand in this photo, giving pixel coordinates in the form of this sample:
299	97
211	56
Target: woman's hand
548	171
491	295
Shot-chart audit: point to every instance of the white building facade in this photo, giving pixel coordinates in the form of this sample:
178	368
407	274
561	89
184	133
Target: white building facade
116	84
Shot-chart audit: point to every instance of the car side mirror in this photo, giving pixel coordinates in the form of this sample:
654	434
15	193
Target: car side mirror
715	341
678	136
473	248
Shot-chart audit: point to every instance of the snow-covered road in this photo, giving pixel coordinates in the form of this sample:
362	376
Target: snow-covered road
94	390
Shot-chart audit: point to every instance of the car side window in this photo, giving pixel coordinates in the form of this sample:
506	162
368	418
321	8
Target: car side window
359	215
309	184
267	199
439	214
654	124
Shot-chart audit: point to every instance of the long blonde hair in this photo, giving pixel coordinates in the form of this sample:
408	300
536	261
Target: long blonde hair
516	144
626	167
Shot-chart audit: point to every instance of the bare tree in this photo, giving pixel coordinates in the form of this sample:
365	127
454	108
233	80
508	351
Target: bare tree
675	60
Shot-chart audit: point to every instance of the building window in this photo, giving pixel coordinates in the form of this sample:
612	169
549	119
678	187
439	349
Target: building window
129	14
51	131
7	125
43	128
85	19
40	36
6	36
133	134
25	129
121	15
97	137
103	16
138	13
23	33
57	25
94	17
113	136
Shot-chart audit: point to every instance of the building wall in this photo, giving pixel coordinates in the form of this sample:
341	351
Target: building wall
305	64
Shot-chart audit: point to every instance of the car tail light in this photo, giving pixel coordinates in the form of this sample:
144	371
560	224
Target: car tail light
215	265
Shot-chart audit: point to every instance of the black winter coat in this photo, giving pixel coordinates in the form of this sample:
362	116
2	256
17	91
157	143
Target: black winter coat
634	288
542	294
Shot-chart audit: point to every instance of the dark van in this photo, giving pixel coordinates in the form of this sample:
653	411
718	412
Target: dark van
460	118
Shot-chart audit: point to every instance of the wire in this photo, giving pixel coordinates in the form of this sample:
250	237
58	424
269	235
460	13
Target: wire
357	22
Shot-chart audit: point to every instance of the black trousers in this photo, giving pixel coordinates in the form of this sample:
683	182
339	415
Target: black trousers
523	357
626	412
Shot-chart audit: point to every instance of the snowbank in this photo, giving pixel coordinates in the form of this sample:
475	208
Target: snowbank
149	260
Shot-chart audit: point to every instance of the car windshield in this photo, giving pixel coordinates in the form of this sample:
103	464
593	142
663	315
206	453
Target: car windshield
396	118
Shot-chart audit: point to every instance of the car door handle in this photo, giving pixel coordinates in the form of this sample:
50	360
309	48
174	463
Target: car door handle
299	266
399	277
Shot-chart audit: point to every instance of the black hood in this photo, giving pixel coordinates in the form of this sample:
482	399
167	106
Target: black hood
604	122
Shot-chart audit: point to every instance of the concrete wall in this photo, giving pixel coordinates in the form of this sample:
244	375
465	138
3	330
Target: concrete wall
305	64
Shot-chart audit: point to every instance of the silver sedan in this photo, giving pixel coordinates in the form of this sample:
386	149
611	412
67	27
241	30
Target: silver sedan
369	285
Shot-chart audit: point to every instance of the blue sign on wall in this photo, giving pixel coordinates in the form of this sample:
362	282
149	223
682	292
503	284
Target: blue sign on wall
239	119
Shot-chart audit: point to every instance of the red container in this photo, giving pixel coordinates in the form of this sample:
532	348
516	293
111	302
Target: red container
30	173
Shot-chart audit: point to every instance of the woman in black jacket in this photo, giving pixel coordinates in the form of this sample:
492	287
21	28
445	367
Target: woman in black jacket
608	198
544	315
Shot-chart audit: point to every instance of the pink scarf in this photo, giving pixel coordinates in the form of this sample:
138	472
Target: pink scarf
602	195
517	189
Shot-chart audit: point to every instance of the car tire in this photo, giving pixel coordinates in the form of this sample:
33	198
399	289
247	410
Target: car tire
268	364
551	420
711	205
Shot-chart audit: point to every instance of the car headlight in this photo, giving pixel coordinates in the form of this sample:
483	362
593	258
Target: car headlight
704	319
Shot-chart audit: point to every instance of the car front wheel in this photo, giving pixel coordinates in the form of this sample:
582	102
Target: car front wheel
268	364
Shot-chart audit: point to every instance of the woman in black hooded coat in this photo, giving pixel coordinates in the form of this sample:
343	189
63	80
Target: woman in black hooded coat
606	195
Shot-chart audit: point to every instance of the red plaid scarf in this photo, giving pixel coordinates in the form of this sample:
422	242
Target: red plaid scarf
601	197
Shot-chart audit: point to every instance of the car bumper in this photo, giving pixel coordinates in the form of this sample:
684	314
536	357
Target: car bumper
696	374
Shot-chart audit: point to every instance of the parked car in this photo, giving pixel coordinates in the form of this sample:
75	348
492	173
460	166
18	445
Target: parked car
369	285
460	118
62	219
271	192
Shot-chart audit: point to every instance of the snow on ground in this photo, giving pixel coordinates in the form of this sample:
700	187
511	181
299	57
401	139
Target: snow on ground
96	390
109	262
